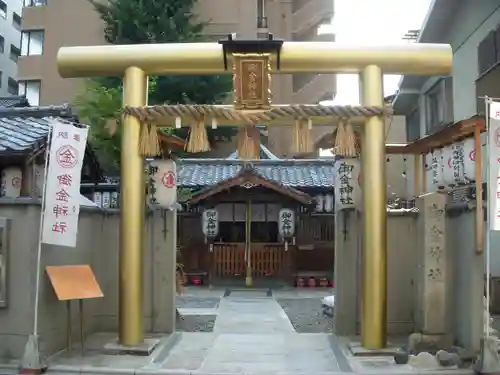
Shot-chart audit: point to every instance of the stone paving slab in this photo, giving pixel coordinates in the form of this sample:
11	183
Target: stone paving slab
190	352
251	315
197	311
257	353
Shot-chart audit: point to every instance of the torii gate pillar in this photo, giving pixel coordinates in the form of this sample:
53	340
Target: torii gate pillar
138	61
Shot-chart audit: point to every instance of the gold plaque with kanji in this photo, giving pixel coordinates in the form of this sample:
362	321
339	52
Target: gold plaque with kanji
251	81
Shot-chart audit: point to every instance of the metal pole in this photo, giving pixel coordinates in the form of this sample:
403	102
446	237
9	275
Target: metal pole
487	102
40	229
82	335
131	330
68	321
374	183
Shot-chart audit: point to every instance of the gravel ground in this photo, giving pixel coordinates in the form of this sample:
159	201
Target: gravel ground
196	323
306	315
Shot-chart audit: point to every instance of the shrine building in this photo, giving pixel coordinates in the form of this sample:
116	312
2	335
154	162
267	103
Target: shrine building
273	215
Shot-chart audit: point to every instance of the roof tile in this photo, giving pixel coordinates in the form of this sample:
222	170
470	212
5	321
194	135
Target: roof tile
294	173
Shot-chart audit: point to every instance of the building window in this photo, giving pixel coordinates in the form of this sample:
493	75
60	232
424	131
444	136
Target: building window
3	9
487	53
2	44
16	21
14	53
32	42
13	86
35	3
30	90
434	108
413	126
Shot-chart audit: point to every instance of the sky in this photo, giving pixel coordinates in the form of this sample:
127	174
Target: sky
352	24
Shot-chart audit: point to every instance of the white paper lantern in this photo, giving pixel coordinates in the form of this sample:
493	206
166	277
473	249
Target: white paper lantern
447	166
329	203
436	170
106	199
286	223
458	160
39	172
319	203
114	199
98	198
163	176
210	223
469	160
11	182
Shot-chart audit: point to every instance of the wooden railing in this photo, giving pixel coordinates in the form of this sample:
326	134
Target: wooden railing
229	260
266	259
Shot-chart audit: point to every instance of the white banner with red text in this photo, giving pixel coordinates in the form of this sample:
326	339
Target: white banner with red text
62	187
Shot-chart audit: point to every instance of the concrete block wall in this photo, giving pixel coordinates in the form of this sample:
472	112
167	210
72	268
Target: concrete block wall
348	272
465	276
97	246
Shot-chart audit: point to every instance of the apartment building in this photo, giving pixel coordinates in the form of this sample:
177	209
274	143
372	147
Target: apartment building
430	104
10	45
60	23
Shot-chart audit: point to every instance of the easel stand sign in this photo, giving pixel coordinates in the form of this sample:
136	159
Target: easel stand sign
72	283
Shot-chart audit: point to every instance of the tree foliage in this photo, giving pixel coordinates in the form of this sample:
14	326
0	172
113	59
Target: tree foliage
146	22
167	21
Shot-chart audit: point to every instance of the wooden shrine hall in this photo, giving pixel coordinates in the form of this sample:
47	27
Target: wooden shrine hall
258	221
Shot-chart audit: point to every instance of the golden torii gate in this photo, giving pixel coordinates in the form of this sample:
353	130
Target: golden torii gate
136	62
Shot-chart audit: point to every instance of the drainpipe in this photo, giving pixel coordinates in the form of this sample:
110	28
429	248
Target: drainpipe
262	30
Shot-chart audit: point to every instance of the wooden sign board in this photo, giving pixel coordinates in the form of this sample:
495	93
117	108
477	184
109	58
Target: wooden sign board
74	282
251	81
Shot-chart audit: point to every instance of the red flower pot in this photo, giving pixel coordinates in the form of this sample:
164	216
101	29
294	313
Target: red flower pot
311	283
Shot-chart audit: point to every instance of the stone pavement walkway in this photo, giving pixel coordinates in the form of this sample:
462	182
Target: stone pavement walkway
253	335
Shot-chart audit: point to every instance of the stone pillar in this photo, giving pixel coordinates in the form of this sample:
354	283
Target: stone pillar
346	271
164	249
432	320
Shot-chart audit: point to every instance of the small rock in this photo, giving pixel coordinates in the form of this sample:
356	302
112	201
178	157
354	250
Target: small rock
401	358
424	361
447	359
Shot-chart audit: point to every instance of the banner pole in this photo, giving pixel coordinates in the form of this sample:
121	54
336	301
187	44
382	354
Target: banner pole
487	120
40	229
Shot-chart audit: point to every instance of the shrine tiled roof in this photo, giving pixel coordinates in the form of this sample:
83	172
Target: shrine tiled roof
265	153
13	101
24	129
296	173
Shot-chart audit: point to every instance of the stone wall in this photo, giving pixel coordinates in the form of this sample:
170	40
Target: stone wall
402	263
98	244
464	281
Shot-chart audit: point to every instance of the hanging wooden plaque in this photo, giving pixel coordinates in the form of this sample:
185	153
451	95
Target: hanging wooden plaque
251	81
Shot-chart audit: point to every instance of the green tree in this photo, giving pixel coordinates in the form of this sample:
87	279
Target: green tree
167	21
144	22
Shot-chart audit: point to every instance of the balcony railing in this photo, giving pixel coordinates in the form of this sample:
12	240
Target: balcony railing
320	87
312	14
